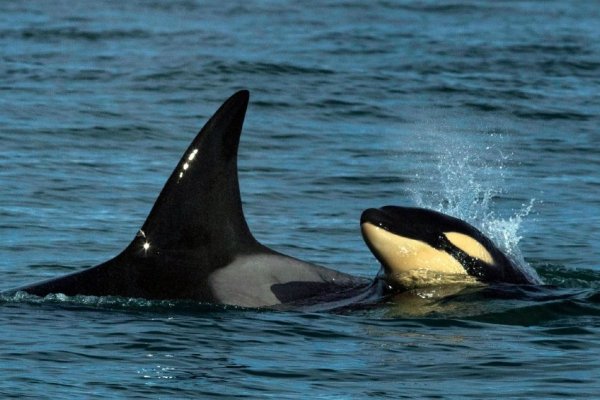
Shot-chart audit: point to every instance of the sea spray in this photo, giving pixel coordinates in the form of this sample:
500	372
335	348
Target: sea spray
469	178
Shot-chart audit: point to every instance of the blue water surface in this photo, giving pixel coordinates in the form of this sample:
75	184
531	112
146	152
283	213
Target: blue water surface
485	110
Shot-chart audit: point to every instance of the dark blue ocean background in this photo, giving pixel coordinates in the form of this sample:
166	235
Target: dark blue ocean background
489	111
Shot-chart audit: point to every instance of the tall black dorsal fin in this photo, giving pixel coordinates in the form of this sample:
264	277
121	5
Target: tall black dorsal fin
200	204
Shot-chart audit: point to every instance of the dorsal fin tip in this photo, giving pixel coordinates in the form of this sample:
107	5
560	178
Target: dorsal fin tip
202	196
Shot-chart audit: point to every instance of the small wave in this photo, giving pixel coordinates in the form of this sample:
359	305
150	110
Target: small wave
274	69
564	277
372	180
114	303
46	34
545	115
338	109
568	47
539	314
487	107
451	8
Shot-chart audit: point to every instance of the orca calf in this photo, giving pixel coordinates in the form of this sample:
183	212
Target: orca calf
418	246
195	243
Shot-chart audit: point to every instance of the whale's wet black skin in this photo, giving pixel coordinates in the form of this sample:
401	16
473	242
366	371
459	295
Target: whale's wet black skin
407	241
195	243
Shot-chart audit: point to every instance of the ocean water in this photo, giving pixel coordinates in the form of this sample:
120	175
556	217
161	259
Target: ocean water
485	110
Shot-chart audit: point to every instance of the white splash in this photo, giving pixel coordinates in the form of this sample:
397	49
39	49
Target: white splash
469	179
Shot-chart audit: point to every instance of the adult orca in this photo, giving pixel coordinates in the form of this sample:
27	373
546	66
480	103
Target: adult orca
195	244
418	246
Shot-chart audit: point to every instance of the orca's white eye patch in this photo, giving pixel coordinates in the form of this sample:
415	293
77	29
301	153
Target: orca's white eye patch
470	246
